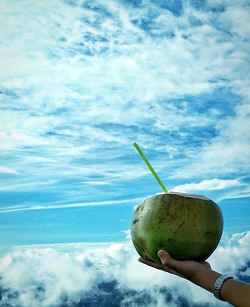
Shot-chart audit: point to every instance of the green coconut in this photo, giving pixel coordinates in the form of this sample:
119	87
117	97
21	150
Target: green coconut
188	227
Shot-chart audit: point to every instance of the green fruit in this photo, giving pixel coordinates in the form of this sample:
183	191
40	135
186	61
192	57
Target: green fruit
188	227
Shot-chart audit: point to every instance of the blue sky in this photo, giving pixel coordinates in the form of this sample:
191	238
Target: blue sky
80	82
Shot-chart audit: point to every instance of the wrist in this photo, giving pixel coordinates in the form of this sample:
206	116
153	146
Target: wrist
218	286
205	278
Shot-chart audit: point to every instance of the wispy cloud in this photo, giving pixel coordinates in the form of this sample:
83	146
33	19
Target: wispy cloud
96	182
216	188
7	170
228	153
9	209
206	185
103	75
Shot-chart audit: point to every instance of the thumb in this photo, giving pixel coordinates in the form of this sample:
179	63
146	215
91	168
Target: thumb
170	265
165	258
168	261
186	269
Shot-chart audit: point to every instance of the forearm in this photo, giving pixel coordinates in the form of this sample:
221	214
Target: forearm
234	292
205	278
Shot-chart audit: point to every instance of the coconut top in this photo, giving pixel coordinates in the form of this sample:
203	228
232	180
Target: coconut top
187	195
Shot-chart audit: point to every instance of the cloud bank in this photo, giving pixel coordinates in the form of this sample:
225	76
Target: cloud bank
107	275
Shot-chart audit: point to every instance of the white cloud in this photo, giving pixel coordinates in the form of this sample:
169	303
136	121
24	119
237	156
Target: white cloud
27	185
96	182
235	18
7	170
42	275
207	185
61	206
228	153
235	255
122	86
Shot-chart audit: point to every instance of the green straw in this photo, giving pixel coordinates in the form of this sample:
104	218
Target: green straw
150	167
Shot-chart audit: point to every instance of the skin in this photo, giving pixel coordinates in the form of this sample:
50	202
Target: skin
200	273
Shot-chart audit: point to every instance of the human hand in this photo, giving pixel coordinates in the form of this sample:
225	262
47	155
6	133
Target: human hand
234	292
188	269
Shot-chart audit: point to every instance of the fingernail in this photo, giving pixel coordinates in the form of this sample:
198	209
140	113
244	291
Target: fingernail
159	252
160	255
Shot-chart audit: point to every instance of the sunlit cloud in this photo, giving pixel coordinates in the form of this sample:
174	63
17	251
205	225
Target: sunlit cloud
76	273
206	185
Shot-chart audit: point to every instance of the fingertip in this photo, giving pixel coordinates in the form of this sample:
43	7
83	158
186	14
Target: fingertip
164	257
161	253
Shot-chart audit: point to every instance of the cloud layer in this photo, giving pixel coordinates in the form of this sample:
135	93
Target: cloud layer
107	275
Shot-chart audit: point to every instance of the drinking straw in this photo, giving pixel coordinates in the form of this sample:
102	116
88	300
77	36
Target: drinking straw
150	167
